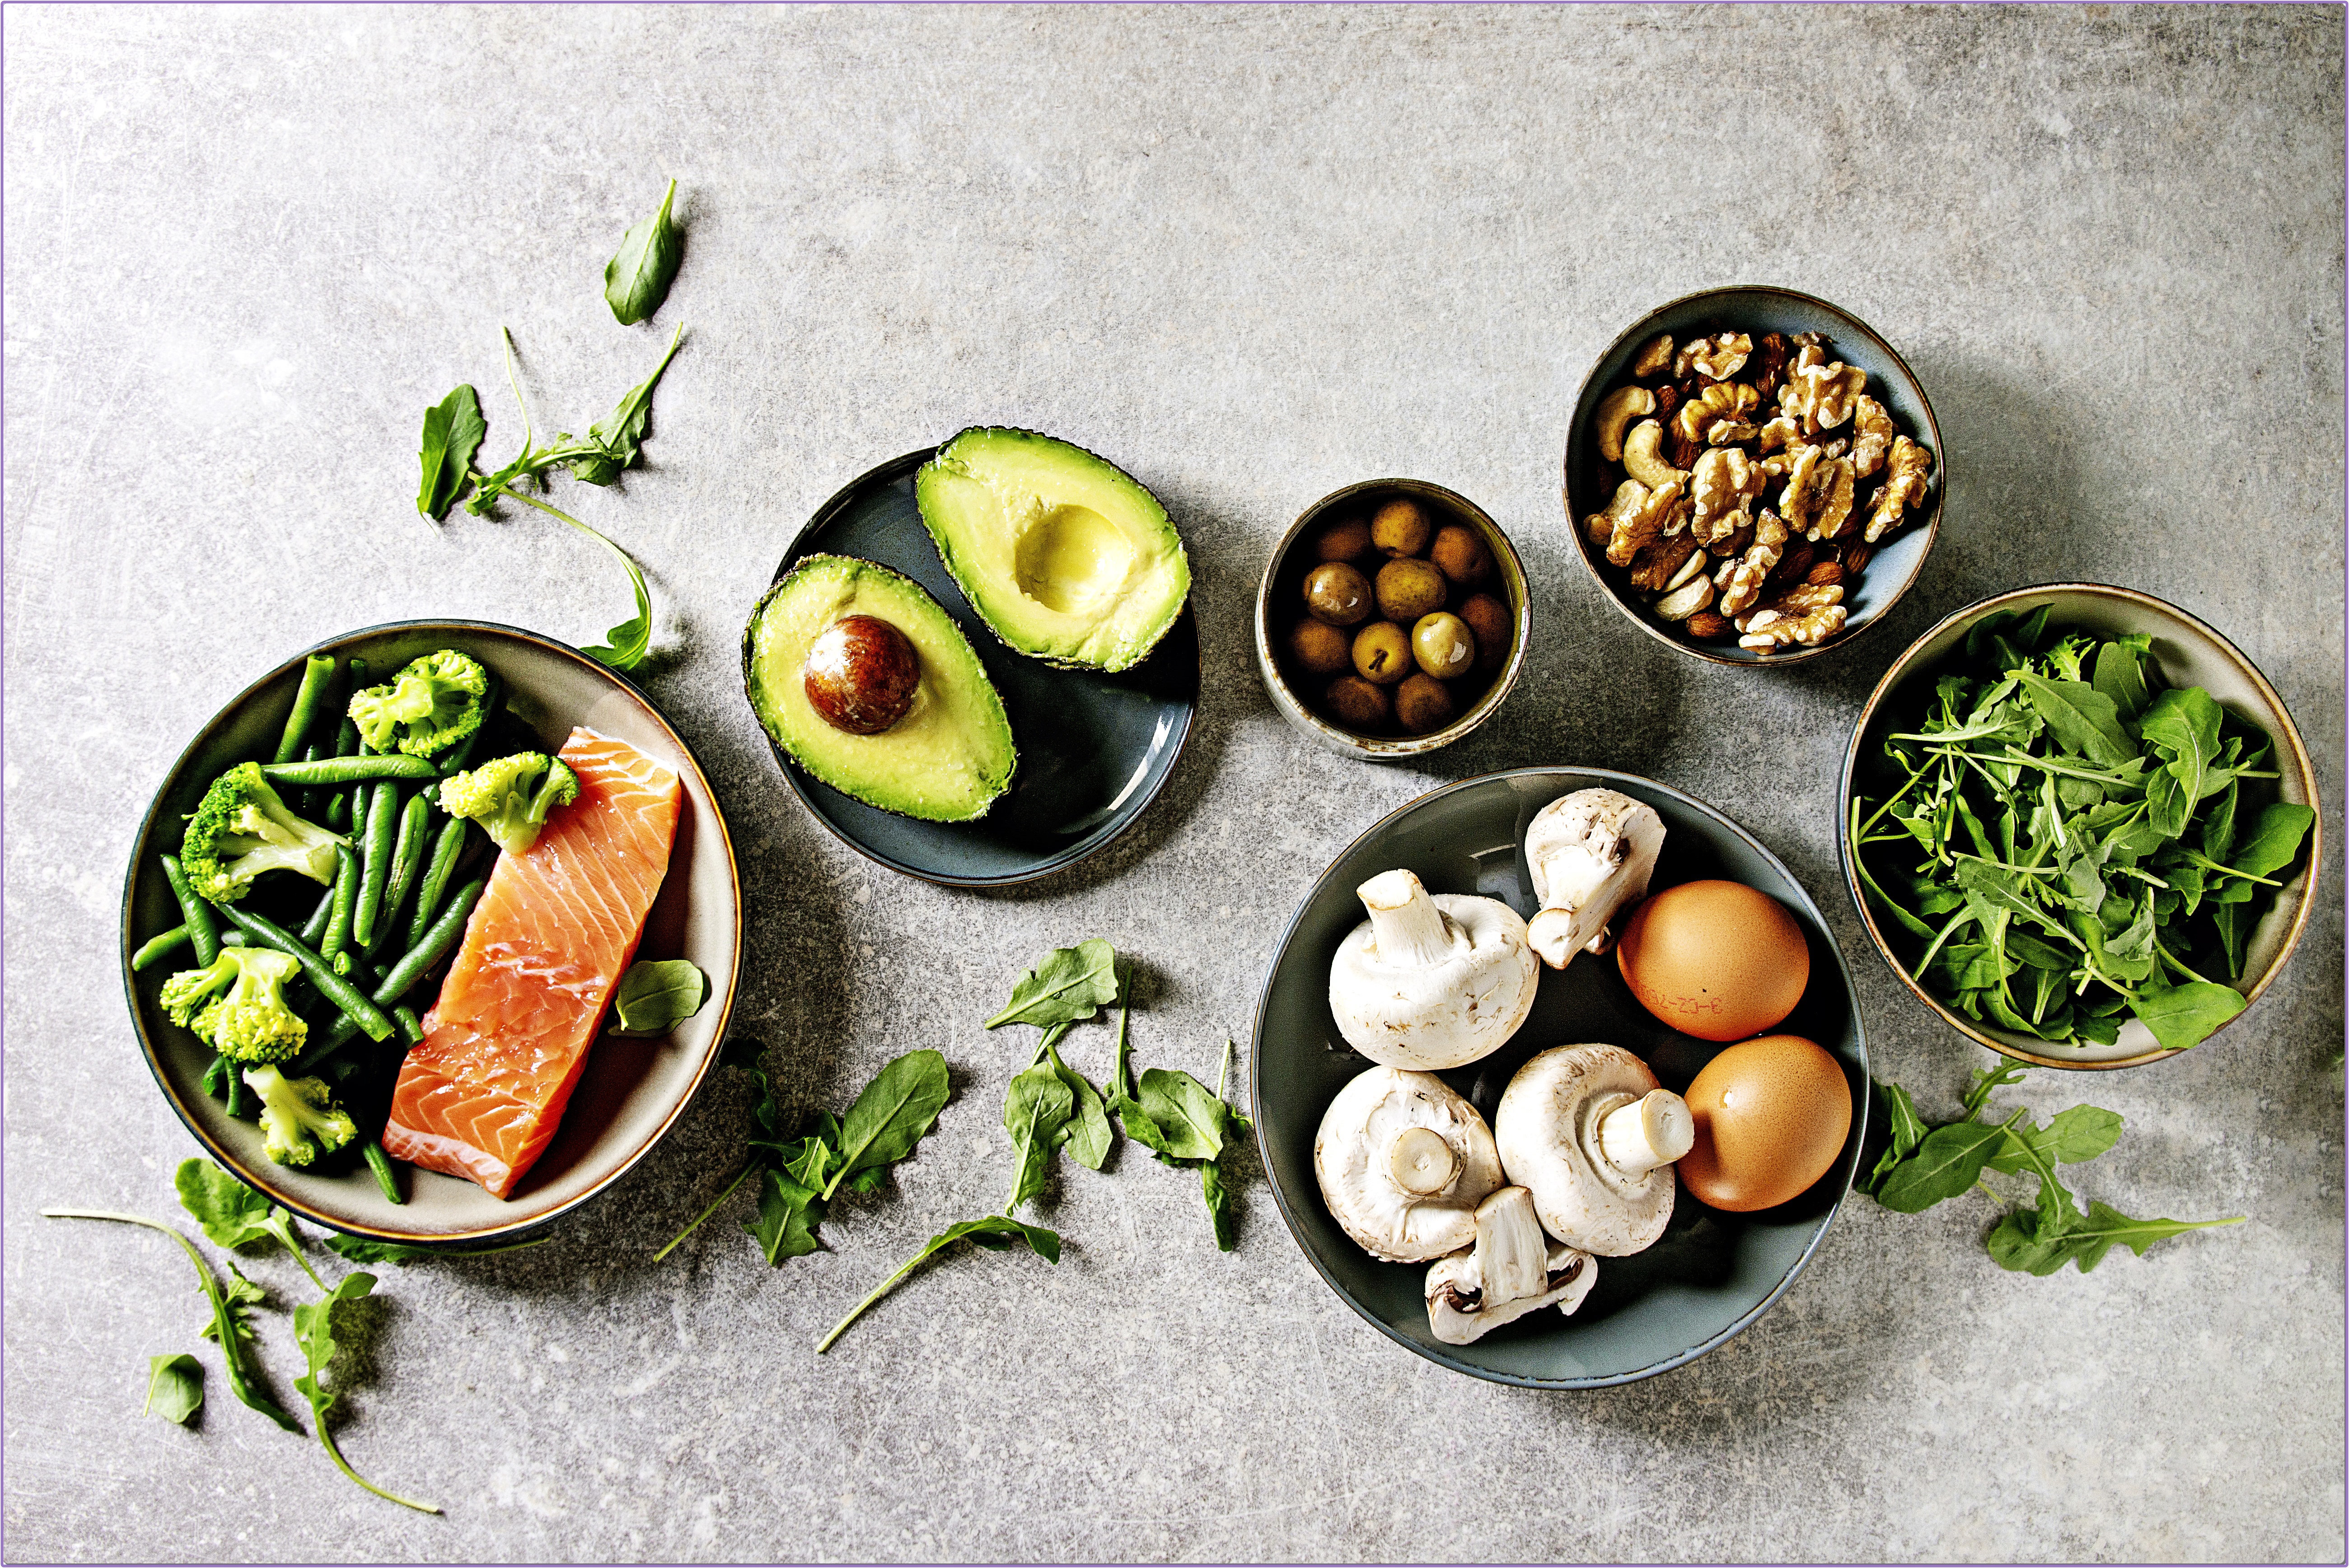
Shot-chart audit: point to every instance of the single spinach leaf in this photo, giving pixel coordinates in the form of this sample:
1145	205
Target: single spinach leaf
1086	1132
657	996
1948	1161
637	280
2184	1016
175	1388
1071	985
995	1232
1190	1117
454	432
313	1331
2080	718
1034	1107
900	1105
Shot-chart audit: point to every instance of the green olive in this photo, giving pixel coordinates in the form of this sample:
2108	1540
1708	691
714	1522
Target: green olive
1443	645
1381	653
1400	528
1322	649
1336	594
1359	704
1347	541
1488	622
1423	704
1461	554
1409	589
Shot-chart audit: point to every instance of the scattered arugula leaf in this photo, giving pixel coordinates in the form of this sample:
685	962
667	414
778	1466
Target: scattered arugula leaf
227	1325
1086	1133
363	1249
453	433
994	1232
1069	985
621	435
893	1113
232	1214
1034	1109
175	1388
239	1297
657	996
637	280
314	1332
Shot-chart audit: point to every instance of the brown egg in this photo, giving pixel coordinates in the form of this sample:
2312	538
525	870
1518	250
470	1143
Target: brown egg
1715	959
1771	1117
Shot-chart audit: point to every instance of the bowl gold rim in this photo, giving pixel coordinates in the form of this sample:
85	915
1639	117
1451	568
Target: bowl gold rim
142	844
1393	749
1932	526
2241	661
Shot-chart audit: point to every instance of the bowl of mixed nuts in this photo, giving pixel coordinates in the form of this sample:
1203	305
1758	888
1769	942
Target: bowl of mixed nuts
1753	474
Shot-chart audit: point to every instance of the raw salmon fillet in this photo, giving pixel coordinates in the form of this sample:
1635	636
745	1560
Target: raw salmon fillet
481	1096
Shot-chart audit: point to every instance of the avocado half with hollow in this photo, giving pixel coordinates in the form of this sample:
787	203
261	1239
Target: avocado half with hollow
1064	554
947	756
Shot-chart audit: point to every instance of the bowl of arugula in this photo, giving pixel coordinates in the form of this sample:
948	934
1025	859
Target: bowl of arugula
2080	825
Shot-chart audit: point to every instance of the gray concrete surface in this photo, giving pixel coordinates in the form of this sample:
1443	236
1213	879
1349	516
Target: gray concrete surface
1252	254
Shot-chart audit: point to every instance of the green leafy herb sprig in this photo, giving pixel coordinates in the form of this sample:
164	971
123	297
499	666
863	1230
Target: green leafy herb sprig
1924	1165
2065	839
637	279
454	429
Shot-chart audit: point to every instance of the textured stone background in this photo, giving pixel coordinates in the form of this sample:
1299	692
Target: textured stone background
1253	254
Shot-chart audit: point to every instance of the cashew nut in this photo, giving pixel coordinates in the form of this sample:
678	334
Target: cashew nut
1686	600
1643	455
1620	408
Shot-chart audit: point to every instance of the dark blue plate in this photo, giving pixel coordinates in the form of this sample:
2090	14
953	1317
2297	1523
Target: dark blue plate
1094	748
1712	1273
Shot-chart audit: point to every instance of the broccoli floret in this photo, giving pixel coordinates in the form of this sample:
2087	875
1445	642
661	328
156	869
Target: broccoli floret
300	1116
434	703
511	796
242	828
237	1004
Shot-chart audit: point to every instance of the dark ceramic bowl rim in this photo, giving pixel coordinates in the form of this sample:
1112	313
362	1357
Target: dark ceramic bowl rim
793	552
1390	748
1975	610
1932	524
1441	1357
259	1180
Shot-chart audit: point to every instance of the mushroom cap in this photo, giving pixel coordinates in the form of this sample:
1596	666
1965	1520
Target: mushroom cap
1591	853
1547	1129
1349	1161
1445	1014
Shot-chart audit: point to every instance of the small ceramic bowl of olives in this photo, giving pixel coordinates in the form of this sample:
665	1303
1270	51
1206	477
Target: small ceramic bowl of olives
1392	620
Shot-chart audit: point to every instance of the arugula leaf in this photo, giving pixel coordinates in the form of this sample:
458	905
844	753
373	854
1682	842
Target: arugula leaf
313	1331
2073	1136
2184	722
2120	675
657	996
995	1232
637	279
454	432
2183	1016
239	1297
232	1214
1218	1195
788	1211
1069	985
1949	1161
1033	1109
1908	1129
2080	717
1190	1119
175	1388
2275	840
1086	1132
364	1250
897	1108
2219	826
2021	1243
228	1326
621	434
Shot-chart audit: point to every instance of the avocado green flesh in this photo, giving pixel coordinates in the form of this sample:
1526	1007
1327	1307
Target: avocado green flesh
947	761
1063	554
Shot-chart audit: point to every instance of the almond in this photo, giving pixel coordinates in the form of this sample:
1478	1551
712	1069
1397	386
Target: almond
1705	627
1825	571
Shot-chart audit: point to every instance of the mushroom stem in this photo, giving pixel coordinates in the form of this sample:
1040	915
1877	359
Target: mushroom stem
1422	1163
1510	1251
1409	930
1655	1130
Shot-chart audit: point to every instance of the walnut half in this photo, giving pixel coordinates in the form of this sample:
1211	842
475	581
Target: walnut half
1904	487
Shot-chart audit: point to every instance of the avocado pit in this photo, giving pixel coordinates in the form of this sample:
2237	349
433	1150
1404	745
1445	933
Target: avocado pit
860	675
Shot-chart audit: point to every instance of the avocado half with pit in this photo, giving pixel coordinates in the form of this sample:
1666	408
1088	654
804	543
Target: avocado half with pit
943	752
1064	554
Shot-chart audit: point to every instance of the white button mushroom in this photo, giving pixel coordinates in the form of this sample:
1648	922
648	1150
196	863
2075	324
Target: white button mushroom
1431	980
1512	1270
1403	1162
1591	853
1588	1130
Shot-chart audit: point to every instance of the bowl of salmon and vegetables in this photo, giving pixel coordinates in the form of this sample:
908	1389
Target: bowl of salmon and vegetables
432	931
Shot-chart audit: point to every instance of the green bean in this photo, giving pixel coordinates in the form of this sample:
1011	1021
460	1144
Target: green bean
349	769
160	948
381	1163
411	968
463	757
356	1007
214	1083
235	1088
339	812
375	860
445	851
411	1027
345	897
232	939
347	740
317	677
201	929
407	861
